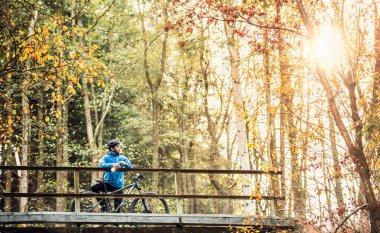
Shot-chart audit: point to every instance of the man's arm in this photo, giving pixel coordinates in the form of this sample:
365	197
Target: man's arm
103	163
126	162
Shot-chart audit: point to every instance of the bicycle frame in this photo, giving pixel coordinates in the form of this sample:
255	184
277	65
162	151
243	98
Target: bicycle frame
131	187
137	204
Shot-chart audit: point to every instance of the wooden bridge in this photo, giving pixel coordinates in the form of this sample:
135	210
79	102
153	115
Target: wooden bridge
173	222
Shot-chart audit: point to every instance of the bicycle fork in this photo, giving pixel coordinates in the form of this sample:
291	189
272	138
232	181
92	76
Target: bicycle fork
144	202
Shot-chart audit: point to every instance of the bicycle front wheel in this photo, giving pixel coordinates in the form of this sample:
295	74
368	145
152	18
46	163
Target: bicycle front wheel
91	204
156	205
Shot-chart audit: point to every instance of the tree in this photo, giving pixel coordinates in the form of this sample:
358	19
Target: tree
239	106
154	80
26	123
355	144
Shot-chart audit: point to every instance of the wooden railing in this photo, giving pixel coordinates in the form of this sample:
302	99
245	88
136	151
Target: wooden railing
177	196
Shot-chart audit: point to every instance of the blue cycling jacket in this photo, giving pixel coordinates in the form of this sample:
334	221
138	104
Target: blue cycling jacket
114	178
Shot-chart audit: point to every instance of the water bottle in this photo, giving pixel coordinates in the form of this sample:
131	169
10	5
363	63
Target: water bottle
113	169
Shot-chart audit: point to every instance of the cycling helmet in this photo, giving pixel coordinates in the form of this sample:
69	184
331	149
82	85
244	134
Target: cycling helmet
112	143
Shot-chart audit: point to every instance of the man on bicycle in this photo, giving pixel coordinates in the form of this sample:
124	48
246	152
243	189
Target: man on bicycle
112	180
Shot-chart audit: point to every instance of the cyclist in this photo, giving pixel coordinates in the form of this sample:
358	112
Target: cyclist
112	180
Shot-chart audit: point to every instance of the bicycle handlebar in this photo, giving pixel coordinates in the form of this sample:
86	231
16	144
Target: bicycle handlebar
138	177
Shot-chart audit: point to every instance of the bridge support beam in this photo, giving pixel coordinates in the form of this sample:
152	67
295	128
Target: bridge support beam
126	230
134	230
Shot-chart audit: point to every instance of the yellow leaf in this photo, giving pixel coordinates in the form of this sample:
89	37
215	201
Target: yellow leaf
56	64
10	121
64	28
23	58
72	90
50	57
9	75
377	165
47	119
58	39
73	55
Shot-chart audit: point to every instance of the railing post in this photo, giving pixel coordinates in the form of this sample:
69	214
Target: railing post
178	192
76	190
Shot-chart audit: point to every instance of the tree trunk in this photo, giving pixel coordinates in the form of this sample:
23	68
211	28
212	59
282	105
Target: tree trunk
337	170
10	120
61	128
282	204
25	146
304	159
296	186
41	149
154	86
325	172
94	136
89	127
8	178
62	149
286	93
213	125
376	77
240	112
355	147
59	149
26	122
155	138
271	134
184	145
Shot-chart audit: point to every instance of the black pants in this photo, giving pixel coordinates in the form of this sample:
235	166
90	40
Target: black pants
105	187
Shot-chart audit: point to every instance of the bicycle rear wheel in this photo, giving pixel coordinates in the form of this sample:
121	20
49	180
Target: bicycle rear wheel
156	205
91	204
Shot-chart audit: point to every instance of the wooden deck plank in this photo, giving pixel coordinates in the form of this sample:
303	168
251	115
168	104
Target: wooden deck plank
143	219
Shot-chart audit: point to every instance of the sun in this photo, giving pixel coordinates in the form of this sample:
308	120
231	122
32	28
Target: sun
327	47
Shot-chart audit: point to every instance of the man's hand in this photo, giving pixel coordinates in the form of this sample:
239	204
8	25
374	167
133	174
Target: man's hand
122	163
116	165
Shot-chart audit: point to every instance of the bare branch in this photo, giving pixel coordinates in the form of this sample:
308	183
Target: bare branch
348	216
101	16
248	21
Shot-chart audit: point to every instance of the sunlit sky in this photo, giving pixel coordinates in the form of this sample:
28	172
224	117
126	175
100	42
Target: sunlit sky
327	47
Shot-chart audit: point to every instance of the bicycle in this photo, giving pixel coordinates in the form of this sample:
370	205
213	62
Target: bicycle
138	205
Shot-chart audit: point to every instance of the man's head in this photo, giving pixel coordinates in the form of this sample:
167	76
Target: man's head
114	145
